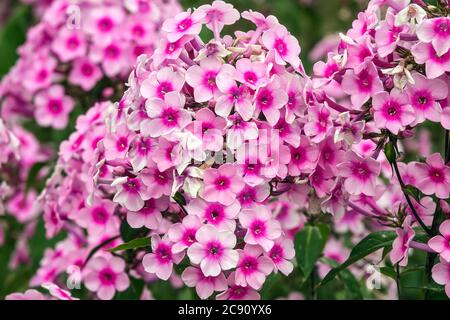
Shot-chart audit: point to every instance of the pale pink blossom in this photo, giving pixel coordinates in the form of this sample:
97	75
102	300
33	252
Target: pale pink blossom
253	267
433	177
221	184
360	174
392	111
284	45
262	228
162	259
401	244
213	251
53	107
204	286
105	275
441	243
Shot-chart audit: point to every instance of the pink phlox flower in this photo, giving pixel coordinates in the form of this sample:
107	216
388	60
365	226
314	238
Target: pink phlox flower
253	267
209	129
218	15
233	96
53	107
270	99
158	183
214	250
262	228
220	216
165	115
203	78
69	44
392	111
131	192
319	123
437	32
117	143
401	244
183	234
221	184
237	292
424	96
433	177
105	275
360	174
304	158
150	215
435	64
162	258
204	286
254	74
98	218
284	45
239	131
250	196
362	85
161	82
167	155
281	254
441	243
441	275
186	23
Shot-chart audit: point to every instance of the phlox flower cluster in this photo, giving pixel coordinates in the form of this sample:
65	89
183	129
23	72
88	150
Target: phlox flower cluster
79	51
388	75
77	47
153	160
20	151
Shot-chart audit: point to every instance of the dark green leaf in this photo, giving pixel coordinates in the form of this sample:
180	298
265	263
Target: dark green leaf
389	271
178	197
352	285
368	245
133	244
389	151
309	244
13	35
133	292
32	178
128	233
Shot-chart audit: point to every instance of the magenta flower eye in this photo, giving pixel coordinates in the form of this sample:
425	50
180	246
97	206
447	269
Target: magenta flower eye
105	24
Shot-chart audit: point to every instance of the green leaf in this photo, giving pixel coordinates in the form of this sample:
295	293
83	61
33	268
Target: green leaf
13	35
352	285
309	244
389	271
268	286
162	290
389	151
413	192
32	180
133	292
133	244
128	233
179	198
366	246
187	294
429	288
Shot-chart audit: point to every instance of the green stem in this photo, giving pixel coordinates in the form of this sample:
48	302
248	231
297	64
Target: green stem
408	199
397	280
447	146
313	287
